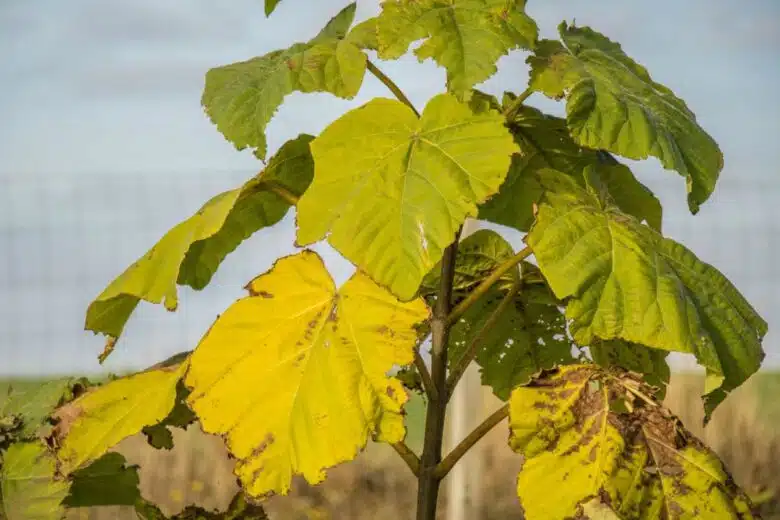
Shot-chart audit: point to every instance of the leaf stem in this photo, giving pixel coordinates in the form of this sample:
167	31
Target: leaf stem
477	341
428	483
486	284
390	84
512	109
471	439
425	376
288	196
409	457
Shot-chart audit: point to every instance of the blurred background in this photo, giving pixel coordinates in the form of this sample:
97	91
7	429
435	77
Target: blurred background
104	147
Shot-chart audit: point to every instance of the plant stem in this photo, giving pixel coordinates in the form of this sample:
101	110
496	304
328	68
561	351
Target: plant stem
512	109
409	457
477	341
288	196
425	376
471	439
428	482
390	84
486	284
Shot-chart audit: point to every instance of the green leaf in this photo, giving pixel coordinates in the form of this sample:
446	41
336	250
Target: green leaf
33	403
239	509
28	489
363	35
98	420
625	281
530	333
106	482
190	253
643	462
479	254
294	376
391	190
649	362
466	37
241	98
159	435
270	5
613	104
545	142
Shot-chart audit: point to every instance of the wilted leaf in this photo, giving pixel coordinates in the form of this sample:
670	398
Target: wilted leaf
613	104
241	98
106	482
644	462
391	190
97	421
545	142
466	37
649	362
28	489
623	280
239	510
33	403
295	374
190	253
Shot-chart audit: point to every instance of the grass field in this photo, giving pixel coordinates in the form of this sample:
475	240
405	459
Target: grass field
745	431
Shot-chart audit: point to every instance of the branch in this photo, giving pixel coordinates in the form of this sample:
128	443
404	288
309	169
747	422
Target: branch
409	457
466	444
397	92
512	109
425	376
476	342
486	284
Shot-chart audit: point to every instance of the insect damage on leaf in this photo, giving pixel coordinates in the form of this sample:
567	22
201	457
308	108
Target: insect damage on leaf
640	462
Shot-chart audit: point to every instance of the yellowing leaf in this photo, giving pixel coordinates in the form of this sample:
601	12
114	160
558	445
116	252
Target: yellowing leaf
28	489
623	280
467	37
613	104
544	143
241	98
643	462
649	362
190	253
98	420
295	374
391	190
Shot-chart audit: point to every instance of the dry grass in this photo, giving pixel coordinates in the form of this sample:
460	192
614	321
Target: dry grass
745	431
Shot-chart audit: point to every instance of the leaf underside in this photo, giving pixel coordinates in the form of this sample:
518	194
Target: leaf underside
191	252
278	348
623	280
613	104
642	463
390	190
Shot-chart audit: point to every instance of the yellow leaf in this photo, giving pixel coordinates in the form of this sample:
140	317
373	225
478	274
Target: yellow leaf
295	375
98	420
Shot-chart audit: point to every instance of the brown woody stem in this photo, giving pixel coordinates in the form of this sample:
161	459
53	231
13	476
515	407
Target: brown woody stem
425	376
408	456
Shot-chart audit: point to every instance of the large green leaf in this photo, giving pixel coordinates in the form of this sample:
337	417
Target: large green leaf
98	420
530	331
391	190
32	402
626	281
190	253
28	489
466	37
545	142
642	464
295	375
241	98
613	104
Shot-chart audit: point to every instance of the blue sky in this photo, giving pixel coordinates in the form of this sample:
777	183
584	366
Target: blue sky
104	146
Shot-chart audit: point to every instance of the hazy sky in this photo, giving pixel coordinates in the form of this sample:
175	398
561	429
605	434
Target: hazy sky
104	146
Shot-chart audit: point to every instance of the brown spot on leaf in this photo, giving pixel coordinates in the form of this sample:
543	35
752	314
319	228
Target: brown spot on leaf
259	449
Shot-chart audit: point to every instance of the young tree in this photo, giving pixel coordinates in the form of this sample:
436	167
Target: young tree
572	331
